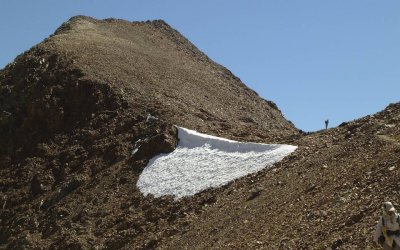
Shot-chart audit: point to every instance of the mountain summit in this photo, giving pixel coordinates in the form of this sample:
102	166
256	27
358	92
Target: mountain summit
85	110
148	67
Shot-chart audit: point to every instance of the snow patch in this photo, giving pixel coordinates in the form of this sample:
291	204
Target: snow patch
203	161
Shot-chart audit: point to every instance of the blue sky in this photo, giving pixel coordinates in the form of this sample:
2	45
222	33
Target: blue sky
336	60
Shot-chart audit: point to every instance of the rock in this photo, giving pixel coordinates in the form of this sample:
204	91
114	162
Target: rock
151	119
336	244
3	201
163	142
254	192
62	192
36	186
340	199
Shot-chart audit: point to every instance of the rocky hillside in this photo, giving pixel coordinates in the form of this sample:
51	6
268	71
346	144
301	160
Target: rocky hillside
72	109
327	195
90	64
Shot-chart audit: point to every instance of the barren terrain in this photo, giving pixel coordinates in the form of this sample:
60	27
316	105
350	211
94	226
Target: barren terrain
72	108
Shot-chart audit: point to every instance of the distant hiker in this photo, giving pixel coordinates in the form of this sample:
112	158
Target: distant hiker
387	233
326	124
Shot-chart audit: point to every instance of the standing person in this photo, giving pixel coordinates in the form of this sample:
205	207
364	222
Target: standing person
387	233
326	124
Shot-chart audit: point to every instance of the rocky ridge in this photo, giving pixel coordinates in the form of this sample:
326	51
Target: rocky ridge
327	195
74	108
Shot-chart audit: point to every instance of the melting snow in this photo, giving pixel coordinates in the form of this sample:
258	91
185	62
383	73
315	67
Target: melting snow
203	161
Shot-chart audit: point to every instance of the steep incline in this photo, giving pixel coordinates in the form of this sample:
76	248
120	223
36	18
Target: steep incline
152	66
72	109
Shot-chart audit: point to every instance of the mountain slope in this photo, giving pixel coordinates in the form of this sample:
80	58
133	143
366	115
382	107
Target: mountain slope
153	65
326	195
73	108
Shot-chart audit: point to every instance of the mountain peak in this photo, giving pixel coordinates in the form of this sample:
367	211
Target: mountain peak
83	112
149	67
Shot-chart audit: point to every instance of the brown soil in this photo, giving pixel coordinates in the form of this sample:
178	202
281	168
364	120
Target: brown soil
73	108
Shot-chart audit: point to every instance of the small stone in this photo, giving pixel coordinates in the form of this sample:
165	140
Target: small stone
340	200
36	186
151	119
392	168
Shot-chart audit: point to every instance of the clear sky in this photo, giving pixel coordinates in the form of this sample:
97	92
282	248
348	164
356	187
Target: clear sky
318	60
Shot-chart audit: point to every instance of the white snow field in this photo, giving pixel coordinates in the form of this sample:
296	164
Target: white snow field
203	161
